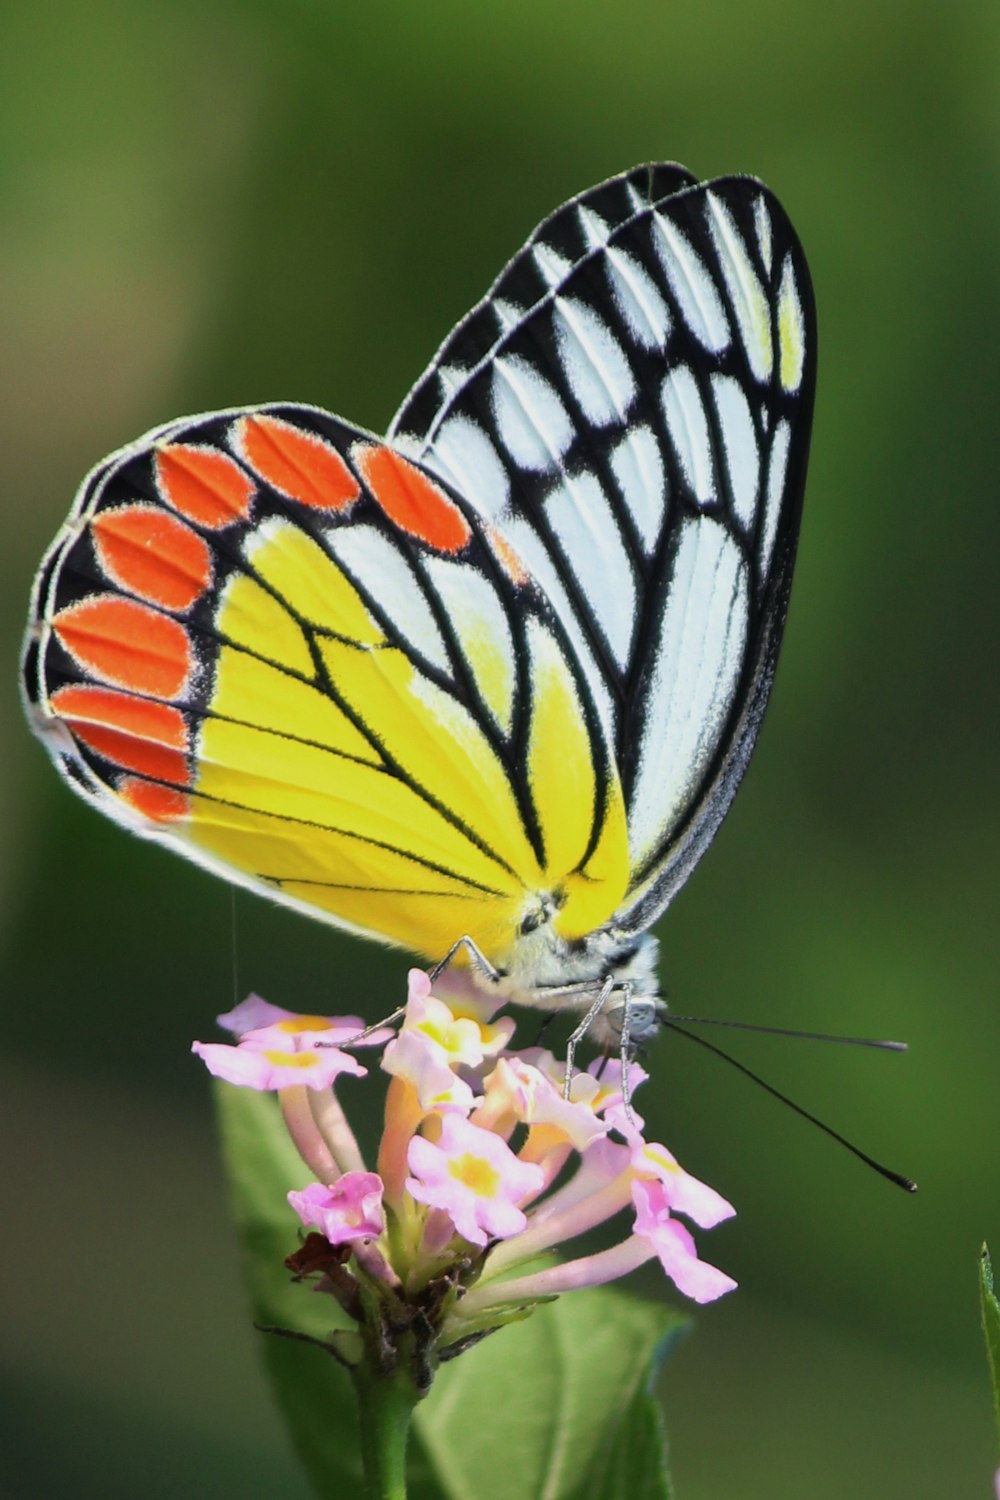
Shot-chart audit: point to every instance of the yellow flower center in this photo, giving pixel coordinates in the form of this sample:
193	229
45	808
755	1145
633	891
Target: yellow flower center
476	1174
291	1059
453	1036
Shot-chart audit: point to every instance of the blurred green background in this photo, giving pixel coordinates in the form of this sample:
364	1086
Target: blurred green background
219	203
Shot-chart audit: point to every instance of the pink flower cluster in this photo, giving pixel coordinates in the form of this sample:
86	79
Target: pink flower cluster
486	1161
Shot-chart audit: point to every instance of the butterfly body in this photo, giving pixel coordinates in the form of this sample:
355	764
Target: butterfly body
499	674
546	972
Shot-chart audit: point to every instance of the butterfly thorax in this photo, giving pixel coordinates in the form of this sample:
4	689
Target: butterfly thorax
553	973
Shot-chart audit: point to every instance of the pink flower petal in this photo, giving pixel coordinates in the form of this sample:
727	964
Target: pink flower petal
463	997
418	985
568	1276
349	1210
269	1070
419	1060
462	1039
474	1177
251	1014
607	1072
685	1194
675	1246
268	1025
536	1101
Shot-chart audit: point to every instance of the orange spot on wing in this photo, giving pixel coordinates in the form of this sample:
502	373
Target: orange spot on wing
127	643
135	755
507	558
153	554
208	487
85	703
135	733
299	464
410	499
159	803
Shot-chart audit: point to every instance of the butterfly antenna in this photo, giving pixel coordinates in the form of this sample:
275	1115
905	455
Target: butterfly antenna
805	1036
906	1183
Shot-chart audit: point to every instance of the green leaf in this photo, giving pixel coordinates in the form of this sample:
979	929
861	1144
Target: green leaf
314	1393
559	1405
991	1327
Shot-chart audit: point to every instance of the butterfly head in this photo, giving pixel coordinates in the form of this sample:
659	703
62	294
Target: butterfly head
632	1018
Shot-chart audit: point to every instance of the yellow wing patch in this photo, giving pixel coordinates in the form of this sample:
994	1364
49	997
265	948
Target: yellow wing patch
333	769
251	617
791	330
295	566
565	790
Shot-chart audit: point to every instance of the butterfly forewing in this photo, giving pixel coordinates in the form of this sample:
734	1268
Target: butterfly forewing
630	406
269	641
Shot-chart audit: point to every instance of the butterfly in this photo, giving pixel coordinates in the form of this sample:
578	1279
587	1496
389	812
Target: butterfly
485	687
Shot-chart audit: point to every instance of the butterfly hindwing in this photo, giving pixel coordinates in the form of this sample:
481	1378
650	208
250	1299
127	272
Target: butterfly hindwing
269	641
630	407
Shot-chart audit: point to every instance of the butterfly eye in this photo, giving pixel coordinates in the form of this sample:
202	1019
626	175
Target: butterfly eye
644	1018
548	905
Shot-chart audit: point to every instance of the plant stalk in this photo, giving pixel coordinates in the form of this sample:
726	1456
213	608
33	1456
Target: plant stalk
385	1409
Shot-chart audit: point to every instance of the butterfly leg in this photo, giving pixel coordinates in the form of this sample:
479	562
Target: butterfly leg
477	958
362	1036
625	1048
583	1028
543	1028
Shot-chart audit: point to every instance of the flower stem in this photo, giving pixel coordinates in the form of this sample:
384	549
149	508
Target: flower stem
385	1407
